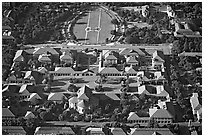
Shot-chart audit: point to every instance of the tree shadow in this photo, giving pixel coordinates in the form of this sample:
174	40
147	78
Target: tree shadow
58	83
81	23
81	80
57	89
108	89
82	39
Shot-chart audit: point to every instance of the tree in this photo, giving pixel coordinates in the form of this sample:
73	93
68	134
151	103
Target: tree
31	125
113	32
115	21
186	46
72	88
176	47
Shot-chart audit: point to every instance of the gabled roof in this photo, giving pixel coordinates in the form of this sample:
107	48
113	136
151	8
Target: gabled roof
162	90
195	104
65	57
146	76
81	104
158	55
162	113
7	37
73	100
95	131
18	56
14	130
25	89
43	50
11	89
157	74
87	70
64	70
84	93
156	133
151	131
133	116
6	112
112	96
56	96
83	97
131	59
67	131
6	27
34	96
44	58
117	131
133	52
28	74
109	70
42	70
146	89
29	114
111	56
12	77
130	70
94	101
54	131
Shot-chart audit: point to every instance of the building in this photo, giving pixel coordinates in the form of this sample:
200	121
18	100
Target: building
29	115
34	98
42	70
161	116
84	93
117	131
184	29
145	10
73	101
145	76
140	121
10	90
132	60
63	71
163	92
45	59
110	59
13	130
130	71
19	56
7	114
25	91
94	131
137	52
151	131
168	105
158	60
196	106
81	106
170	12
57	97
87	72
66	58
44	50
146	89
109	71
54	131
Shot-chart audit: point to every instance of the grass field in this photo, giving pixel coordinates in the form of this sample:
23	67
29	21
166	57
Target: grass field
93	27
